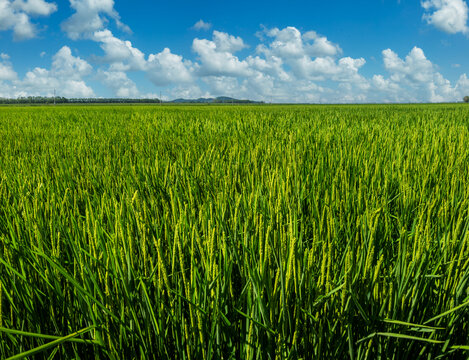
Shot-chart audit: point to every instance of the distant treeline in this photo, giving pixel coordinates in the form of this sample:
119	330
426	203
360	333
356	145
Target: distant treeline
63	100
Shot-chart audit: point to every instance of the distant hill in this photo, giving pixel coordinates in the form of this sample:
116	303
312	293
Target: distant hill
217	100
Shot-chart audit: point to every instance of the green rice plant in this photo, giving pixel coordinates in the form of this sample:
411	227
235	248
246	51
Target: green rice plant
228	232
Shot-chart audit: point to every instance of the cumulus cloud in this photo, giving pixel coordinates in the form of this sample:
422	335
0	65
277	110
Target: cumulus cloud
16	15
462	86
165	68
286	66
227	42
90	21
287	43
91	16
192	91
6	69
449	16
323	68
415	79
119	53
290	43
383	84
119	82
270	65
288	58
42	82
320	46
65	65
202	25
217	55
416	68
284	71
312	57
65	75
35	7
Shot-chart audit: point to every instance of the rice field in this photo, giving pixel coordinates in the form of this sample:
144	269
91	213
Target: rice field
234	232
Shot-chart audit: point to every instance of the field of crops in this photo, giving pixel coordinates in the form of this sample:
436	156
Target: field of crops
234	232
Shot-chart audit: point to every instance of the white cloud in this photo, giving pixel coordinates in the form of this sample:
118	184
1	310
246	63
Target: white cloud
321	46
6	70
323	68
310	56
271	65
65	75
121	54
187	92
16	15
226	42
278	65
162	69
286	66
65	65
91	16
35	7
263	87
121	85
463	83
449	16
384	84
165	68
416	68
290	43
290	66
223	85
217	58
415	79
287	43
42	82
462	87
202	25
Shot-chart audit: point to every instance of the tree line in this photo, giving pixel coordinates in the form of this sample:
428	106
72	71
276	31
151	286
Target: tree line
63	100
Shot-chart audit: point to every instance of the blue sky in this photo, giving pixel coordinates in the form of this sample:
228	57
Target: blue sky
296	51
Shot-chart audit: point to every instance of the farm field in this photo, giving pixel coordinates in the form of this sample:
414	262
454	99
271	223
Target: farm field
234	232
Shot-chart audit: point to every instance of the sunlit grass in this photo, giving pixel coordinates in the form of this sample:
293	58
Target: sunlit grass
235	232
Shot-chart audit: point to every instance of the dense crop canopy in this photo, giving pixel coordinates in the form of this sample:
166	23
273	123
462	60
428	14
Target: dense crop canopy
218	232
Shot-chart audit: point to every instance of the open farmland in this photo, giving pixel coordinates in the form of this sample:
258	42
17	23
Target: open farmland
235	232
